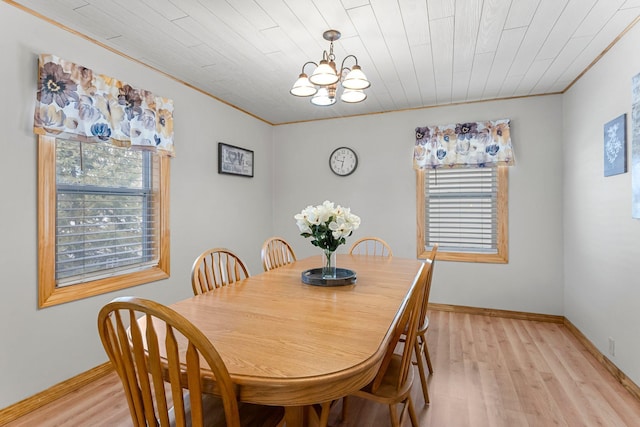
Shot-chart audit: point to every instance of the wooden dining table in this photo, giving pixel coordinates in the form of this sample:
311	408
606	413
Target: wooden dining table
288	343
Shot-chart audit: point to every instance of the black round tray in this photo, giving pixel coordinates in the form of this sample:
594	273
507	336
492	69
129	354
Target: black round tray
343	277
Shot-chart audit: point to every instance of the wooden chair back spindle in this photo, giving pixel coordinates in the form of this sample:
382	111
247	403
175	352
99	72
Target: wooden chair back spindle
427	288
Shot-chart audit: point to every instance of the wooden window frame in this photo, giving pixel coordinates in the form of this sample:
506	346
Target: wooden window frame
501	257
48	293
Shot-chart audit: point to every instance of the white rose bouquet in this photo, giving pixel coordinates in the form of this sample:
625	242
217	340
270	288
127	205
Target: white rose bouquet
328	225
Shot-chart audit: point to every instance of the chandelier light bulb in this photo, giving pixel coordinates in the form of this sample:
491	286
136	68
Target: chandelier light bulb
324	74
352	96
323	98
356	79
303	87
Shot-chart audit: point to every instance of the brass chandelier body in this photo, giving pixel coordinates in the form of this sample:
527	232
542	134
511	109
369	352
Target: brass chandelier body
323	83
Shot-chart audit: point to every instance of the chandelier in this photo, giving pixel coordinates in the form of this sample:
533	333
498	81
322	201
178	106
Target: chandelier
323	83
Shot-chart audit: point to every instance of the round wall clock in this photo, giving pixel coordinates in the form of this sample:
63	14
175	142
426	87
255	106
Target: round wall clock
343	161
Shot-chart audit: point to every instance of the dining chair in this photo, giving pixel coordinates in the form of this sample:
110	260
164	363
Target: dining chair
420	344
371	246
215	268
275	253
394	379
392	384
163	366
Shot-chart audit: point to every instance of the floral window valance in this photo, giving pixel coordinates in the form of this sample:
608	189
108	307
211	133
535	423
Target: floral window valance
463	145
74	102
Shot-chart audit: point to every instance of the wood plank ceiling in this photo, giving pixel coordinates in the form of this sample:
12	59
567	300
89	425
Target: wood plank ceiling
416	53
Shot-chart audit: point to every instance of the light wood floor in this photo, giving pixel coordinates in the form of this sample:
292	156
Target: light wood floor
489	371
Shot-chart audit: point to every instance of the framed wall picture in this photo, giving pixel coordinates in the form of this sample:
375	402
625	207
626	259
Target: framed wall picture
615	146
234	160
635	147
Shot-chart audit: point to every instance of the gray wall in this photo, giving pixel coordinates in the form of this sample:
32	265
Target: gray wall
382	192
602	241
39	348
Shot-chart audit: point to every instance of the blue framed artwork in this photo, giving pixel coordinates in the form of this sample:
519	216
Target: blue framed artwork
635	146
615	146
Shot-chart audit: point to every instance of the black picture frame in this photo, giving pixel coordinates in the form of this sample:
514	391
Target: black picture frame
234	160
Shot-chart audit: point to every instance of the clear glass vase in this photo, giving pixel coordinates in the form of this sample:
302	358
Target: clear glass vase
328	264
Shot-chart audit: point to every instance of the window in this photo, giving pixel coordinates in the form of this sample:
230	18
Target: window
103	219
465	211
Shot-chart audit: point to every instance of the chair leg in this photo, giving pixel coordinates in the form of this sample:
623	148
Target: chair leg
324	414
412	413
423	379
344	408
395	422
422	340
426	354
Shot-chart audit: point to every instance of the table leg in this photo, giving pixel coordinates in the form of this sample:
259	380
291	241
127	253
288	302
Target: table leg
306	416
295	416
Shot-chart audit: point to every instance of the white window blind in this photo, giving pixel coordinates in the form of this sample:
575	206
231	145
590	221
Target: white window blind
461	209
106	211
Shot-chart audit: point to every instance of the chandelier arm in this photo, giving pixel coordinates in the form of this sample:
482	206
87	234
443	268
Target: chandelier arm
307	63
343	72
342	67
